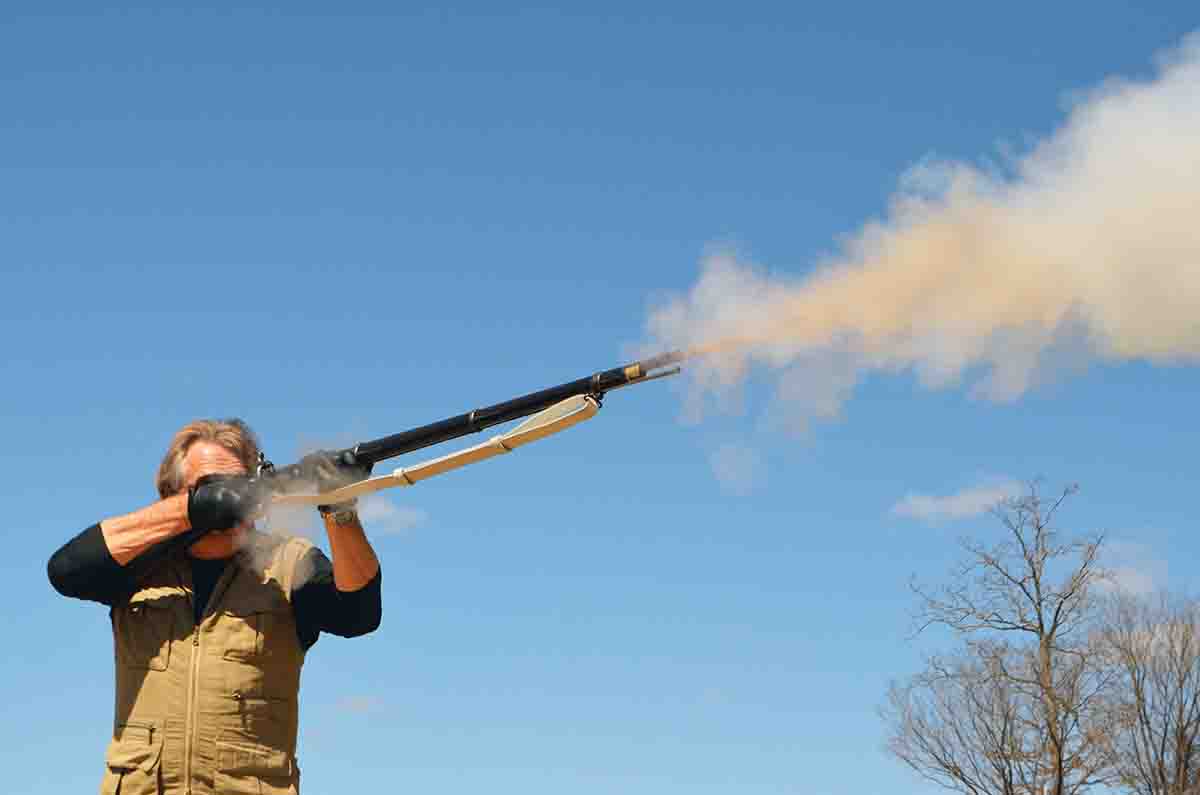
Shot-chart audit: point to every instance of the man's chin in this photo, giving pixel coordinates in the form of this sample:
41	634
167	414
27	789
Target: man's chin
220	543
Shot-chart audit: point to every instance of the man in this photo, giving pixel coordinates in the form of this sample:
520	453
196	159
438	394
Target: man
211	618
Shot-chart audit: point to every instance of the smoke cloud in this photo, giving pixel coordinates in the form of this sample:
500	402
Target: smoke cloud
1132	568
385	517
968	502
738	468
1084	249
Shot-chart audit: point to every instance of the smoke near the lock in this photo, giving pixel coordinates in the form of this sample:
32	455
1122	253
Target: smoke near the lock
1085	249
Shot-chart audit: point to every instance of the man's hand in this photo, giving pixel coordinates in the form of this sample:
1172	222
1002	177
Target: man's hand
219	502
332	469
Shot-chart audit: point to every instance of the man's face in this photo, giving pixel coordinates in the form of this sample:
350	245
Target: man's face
206	458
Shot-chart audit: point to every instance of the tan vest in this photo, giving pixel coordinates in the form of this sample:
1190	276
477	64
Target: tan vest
209	708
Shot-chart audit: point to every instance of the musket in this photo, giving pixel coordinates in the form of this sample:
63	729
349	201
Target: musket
553	409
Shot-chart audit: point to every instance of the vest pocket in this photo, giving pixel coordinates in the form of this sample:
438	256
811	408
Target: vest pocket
246	768
268	721
143	630
245	639
132	761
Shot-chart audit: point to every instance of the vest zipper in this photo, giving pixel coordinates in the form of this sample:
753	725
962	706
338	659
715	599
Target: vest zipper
193	693
190	724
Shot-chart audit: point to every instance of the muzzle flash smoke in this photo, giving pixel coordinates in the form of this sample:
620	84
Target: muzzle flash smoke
1088	250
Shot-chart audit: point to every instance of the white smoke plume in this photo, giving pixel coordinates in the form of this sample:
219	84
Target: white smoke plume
1085	249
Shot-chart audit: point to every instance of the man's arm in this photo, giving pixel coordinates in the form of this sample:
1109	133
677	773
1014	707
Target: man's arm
321	606
102	563
83	568
342	597
354	561
93	564
128	536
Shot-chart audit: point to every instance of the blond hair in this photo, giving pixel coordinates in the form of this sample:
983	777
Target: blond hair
232	434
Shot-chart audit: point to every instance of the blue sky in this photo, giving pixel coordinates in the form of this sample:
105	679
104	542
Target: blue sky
340	222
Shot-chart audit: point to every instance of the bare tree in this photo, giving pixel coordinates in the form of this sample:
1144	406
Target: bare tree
963	724
1154	728
1017	709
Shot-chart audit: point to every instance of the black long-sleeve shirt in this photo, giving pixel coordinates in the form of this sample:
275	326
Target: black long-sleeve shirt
83	568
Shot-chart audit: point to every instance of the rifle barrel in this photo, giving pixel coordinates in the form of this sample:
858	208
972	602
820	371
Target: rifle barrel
480	419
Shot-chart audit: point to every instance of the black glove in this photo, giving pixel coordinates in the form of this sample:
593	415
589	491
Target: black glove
332	469
219	502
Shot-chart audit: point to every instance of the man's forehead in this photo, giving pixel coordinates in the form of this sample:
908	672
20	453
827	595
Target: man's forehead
209	454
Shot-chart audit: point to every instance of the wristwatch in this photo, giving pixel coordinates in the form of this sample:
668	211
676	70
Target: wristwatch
340	514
